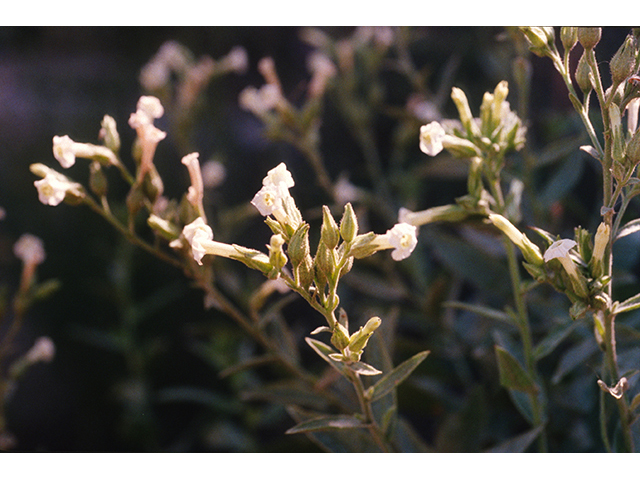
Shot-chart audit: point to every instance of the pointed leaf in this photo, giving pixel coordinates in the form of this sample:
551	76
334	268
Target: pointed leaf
329	422
555	337
512	375
518	444
635	403
396	376
629	304
629	228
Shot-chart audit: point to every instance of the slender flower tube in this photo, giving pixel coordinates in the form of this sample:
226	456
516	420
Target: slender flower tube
148	109
529	250
443	213
195	194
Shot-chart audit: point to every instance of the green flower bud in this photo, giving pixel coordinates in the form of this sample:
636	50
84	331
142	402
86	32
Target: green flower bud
162	227
529	250
583	75
348	224
633	149
589	36
568	37
359	340
277	258
541	39
324	261
600	244
364	245
298	248
97	179
466	117
340	337
329	233
623	63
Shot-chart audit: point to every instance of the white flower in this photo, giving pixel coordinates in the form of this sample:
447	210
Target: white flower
43	350
559	249
63	150
268	200
198	233
52	189
200	237
279	176
29	249
402	238
236	60
431	136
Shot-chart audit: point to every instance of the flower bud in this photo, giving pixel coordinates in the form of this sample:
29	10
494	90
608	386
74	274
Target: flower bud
583	75
466	117
109	134
329	233
632	152
568	37
623	63
540	39
600	244
359	340
298	248
529	250
340	337
589	36
277	258
97	180
348	224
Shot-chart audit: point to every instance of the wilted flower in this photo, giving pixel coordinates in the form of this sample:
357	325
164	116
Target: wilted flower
196	190
431	136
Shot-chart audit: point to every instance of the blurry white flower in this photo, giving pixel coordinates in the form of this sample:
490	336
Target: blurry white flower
213	173
43	350
322	69
431	136
268	200
260	101
29	249
345	191
148	109
236	60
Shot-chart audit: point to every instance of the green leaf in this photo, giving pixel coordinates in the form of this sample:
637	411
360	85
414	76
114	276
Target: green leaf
629	304
574	357
329	422
555	337
363	368
486	312
518	444
396	376
512	375
635	403
324	351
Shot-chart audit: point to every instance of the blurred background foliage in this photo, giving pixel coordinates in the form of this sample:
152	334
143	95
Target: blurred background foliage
138	357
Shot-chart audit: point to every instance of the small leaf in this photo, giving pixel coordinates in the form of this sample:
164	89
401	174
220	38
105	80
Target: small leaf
635	403
518	444
329	422
396	376
320	330
512	375
363	368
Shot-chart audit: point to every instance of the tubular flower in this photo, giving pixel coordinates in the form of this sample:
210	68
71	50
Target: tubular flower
148	109
66	150
402	238
195	194
560	250
200	237
529	250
